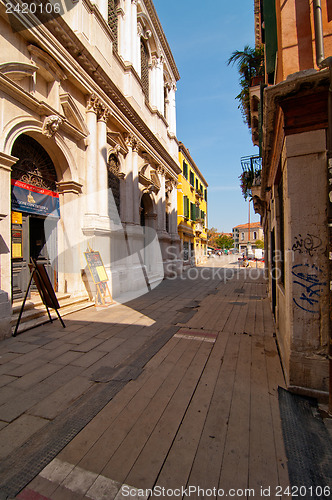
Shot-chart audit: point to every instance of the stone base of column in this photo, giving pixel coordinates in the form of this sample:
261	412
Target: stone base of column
5	315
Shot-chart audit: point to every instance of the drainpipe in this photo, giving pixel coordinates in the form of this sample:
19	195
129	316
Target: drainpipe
323	63
319	41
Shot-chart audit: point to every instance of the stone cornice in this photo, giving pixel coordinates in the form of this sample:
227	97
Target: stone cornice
301	82
161	36
38	107
68	39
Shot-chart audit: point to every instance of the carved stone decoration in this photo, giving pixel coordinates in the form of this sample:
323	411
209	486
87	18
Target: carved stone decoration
148	177
259	205
161	170
170	185
93	103
51	125
102	112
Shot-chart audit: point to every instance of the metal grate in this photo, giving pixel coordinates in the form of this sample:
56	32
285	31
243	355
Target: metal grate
34	166
145	69
113	20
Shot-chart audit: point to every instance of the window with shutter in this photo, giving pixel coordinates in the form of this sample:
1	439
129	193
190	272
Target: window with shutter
193	211
185	170
186	206
192	178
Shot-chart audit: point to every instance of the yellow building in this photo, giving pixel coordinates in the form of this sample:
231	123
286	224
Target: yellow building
192	209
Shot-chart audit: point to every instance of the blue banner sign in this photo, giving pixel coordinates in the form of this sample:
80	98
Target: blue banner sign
34	200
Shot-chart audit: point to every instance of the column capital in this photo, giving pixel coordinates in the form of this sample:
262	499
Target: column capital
161	170
132	142
103	112
92	103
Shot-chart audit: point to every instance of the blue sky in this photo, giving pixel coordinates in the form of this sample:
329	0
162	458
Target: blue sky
202	36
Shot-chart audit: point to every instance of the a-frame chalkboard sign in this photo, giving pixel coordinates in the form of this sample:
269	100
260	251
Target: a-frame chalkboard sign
45	289
99	277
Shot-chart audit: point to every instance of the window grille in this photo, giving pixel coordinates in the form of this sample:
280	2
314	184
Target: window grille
113	20
145	69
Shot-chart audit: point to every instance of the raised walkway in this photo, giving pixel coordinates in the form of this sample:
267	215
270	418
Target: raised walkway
174	391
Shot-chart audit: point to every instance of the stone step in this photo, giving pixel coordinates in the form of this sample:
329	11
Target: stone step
37	314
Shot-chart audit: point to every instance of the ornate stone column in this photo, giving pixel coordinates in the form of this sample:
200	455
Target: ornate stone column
126	32
91	156
157	84
126	186
136	192
6	162
70	254
103	9
102	182
161	200
135	40
171	110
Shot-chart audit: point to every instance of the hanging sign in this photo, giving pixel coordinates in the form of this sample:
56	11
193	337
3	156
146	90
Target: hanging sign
34	200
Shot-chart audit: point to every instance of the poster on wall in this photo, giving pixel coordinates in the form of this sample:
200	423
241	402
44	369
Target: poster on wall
34	200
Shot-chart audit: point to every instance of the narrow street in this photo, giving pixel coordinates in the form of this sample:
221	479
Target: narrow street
176	389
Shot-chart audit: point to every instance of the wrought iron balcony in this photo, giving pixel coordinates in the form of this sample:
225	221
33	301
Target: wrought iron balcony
251	164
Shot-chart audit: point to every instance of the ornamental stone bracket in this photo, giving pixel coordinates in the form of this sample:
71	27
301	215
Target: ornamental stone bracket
69	187
51	125
259	205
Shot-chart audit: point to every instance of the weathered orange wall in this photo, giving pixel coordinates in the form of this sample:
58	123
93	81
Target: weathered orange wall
296	35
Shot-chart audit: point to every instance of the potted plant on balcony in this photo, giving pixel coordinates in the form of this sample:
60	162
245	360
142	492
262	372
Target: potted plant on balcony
250	179
250	64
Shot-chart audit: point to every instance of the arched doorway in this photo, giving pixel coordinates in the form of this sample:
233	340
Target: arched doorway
113	175
34	197
147	220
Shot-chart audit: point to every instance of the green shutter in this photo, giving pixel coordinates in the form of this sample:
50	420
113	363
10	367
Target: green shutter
270	32
192	178
186	206
185	169
193	211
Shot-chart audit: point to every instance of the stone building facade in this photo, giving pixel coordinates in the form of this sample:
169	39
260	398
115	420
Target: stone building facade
88	149
294	199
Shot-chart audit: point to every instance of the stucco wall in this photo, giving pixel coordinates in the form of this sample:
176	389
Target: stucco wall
304	333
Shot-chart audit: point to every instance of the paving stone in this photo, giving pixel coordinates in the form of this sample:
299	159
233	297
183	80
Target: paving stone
6	379
88	345
88	358
61	399
19	431
67	358
19	370
36	376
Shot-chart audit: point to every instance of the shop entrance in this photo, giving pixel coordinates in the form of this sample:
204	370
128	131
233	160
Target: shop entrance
35	213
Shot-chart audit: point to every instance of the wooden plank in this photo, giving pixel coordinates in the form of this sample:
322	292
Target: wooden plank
275	379
234	470
176	469
124	457
116	443
147	467
207	462
84	441
263	468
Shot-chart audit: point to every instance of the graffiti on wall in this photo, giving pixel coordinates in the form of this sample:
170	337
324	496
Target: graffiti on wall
307	245
310	282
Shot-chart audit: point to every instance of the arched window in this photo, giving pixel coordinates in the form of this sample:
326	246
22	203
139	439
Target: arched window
113	20
34	166
145	68
113	169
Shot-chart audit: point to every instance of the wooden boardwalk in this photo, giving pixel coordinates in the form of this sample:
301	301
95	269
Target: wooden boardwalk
203	414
